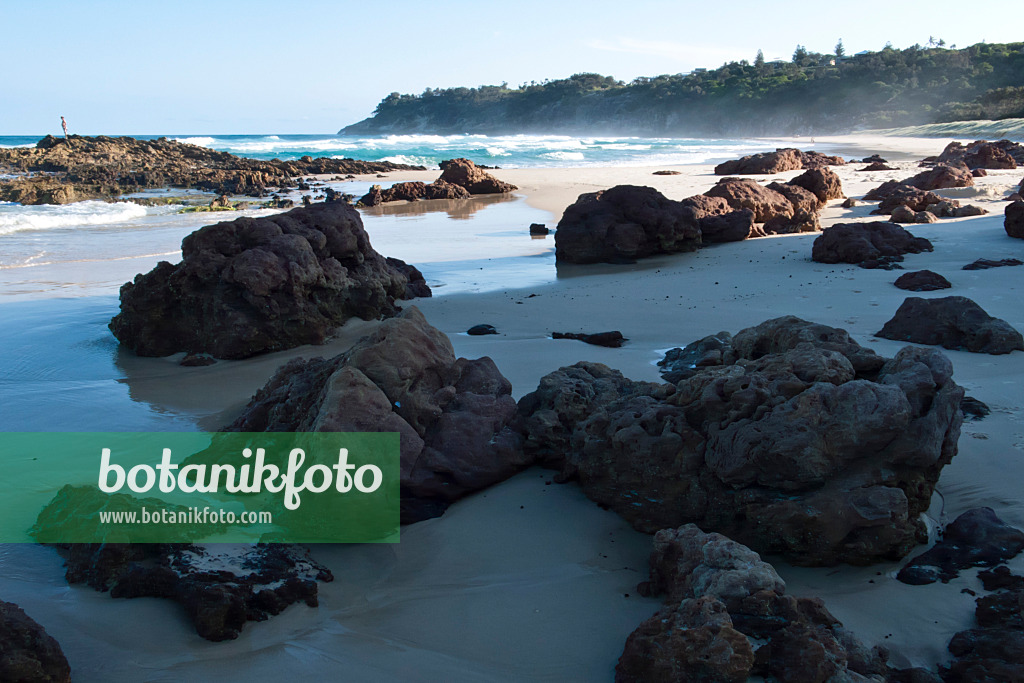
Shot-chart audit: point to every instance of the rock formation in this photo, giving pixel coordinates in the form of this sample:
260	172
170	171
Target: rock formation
466	174
727	618
719	222
262	284
893	193
994	649
28	654
942	176
922	281
823	183
982	154
985	264
787	159
411	192
745	193
869	245
454	415
954	322
1013	220
792	439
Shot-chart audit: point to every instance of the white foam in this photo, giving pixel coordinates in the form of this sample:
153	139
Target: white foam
411	160
16	218
564	156
201	141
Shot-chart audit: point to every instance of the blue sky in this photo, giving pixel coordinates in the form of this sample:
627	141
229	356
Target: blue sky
221	67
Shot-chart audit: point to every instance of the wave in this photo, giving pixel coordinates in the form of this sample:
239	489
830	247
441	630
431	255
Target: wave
199	140
564	156
411	160
17	218
1012	129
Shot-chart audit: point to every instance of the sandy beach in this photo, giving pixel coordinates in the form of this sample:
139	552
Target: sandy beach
529	580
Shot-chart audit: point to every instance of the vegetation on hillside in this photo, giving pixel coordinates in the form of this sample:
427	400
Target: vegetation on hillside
810	93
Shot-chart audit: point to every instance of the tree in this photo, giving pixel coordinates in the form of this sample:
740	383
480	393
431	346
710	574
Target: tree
840	50
800	54
759	60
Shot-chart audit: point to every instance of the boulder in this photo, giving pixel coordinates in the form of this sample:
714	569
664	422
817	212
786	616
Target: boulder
954	322
866	244
787	159
466	174
1013	220
985	264
454	415
538	229
977	538
726	618
902	214
942	176
415	285
979	172
719	222
28	654
980	154
798	441
874	159
413	191
744	193
613	339
877	166
922	281
254	285
893	193
823	183
624	222
481	330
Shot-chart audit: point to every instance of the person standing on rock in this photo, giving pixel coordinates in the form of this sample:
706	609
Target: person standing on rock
64	125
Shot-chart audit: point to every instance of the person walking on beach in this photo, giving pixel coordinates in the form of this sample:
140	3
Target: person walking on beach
64	125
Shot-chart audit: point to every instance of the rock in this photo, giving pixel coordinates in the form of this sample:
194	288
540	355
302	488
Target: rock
221	586
744	193
893	193
850	203
902	214
719	222
679	364
28	654
967	211
954	322
411	192
666	173
195	360
973	409
922	281
979	172
624	222
726	618
985	264
977	538
866	243
221	202
415	285
454	415
465	173
942	176
260	284
798	441
1013	221
877	166
610	339
981	154
799	197
780	160
538	229
823	183
874	159
479	330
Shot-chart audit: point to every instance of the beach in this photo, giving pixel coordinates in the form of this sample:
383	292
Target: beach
527	580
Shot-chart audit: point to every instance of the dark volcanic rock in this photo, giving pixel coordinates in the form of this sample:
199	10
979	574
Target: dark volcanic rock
1013	220
415	285
413	191
874	159
942	176
866	243
624	222
726	618
479	330
799	441
973	409
197	360
979	172
877	166
718	221
612	339
261	284
666	173
902	214
679	364
893	193
985	264
982	154
221	586
788	159
822	182
954	322
745	193
977	538
28	654
538	229
454	415
922	281
465	173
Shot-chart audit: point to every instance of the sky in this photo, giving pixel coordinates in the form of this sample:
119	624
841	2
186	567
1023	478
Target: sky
259	67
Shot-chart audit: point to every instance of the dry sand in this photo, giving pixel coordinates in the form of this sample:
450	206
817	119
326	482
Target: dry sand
526	581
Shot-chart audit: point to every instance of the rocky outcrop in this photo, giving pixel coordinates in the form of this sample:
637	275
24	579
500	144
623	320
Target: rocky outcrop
805	210
902	214
942	176
868	245
787	159
719	222
261	284
982	154
727	618
977	538
28	654
878	166
745	193
105	167
994	649
1013	219
466	174
893	193
985	264
221	586
625	222
922	281
612	340
953	322
792	439
823	183
411	192
453	415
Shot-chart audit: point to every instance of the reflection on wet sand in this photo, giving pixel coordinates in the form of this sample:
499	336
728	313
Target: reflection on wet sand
460	209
